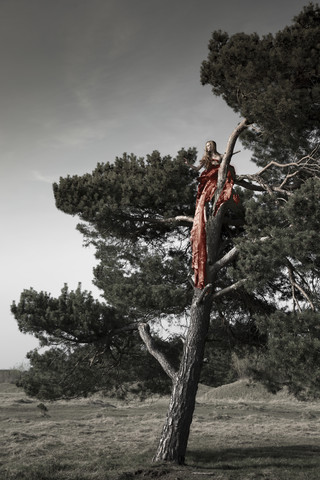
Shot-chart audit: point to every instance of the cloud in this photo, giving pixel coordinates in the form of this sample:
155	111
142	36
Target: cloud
39	177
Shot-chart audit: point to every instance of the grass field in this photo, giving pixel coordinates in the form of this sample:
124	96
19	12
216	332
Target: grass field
239	432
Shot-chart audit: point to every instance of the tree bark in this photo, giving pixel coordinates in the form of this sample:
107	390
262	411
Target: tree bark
175	434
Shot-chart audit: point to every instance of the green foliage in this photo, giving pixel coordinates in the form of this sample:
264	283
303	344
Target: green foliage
233	332
130	197
282	237
144	260
74	317
89	348
125	368
153	283
292	358
57	373
272	81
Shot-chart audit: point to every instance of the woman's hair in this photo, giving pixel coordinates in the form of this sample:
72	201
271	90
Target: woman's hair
206	160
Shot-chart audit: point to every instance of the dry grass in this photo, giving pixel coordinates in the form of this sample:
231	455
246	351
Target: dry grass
239	432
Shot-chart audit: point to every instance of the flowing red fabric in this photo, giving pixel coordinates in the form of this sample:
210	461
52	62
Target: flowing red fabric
206	189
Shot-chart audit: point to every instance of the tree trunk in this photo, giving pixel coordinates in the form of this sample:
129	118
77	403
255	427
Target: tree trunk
175	434
173	443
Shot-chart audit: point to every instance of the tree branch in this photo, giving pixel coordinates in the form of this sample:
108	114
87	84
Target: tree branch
298	287
239	180
144	331
295	301
204	292
227	258
233	138
306	162
224	165
309	163
230	288
182	219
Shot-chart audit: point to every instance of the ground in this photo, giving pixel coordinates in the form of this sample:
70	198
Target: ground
239	432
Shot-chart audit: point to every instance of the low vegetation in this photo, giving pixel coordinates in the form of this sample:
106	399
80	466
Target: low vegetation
239	432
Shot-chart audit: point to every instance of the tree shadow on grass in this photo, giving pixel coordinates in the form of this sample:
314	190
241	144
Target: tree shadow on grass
304	457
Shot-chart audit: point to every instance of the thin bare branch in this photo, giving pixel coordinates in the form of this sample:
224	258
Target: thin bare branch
229	289
303	162
226	259
291	279
295	285
309	163
298	287
290	175
144	331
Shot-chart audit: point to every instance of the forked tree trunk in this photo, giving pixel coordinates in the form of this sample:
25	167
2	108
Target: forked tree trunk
174	439
175	434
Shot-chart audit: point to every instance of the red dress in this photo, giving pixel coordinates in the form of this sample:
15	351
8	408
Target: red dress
206	189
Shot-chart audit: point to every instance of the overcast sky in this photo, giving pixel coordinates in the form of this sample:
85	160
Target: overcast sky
83	81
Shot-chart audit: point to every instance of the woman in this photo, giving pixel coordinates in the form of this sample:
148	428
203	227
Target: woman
211	157
207	186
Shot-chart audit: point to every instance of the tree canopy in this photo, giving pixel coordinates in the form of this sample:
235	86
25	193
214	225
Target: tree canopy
272	81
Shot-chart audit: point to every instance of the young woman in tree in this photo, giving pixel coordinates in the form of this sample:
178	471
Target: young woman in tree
206	190
211	157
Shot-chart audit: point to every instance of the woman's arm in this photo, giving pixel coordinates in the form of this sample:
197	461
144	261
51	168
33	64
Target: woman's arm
192	166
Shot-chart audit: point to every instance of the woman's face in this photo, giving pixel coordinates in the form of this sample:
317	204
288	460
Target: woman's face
209	147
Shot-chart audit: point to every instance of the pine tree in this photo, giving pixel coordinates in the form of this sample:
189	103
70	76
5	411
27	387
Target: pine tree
262	269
